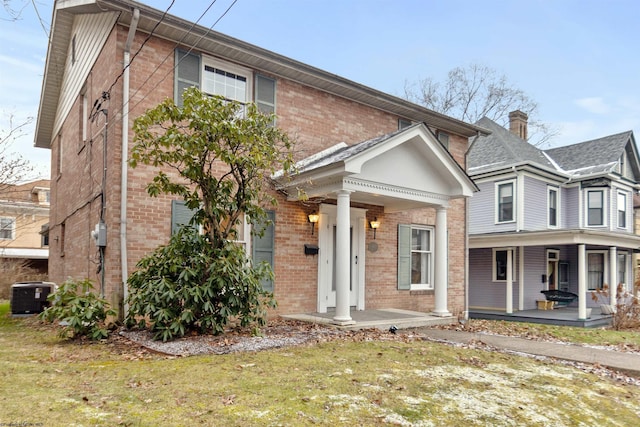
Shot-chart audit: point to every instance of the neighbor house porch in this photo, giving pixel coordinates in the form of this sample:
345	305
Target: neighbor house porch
563	316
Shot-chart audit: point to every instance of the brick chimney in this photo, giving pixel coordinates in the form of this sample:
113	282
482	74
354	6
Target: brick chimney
518	123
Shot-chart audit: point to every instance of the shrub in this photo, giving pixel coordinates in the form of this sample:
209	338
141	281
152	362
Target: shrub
626	308
189	285
81	311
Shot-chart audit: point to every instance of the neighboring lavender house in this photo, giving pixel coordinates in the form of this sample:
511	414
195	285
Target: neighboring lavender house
549	219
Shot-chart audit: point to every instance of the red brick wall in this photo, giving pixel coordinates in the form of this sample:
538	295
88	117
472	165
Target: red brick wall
314	119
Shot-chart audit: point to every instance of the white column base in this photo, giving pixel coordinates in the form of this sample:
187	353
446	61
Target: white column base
341	321
441	313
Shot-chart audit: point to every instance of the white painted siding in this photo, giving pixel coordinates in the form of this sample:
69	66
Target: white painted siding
91	32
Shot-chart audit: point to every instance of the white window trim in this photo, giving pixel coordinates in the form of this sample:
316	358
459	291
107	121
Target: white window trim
13	228
231	68
557	191
497	201
604	207
605	273
494	271
624	194
430	284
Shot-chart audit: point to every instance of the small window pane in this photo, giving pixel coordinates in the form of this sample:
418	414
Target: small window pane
505	202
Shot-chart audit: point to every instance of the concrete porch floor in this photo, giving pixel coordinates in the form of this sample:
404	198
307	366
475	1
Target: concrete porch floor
380	319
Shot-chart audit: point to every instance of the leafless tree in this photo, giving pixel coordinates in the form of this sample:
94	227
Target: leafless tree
475	91
13	167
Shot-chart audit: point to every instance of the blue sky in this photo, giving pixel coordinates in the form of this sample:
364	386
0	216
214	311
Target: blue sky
577	58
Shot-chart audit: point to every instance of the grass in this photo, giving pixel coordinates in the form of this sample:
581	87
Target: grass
56	383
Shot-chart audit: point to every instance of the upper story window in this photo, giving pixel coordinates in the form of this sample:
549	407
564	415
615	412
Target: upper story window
505	192
7	228
225	79
595	207
403	123
553	206
622	209
444	139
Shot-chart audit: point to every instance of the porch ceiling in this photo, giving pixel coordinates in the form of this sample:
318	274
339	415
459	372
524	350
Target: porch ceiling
554	237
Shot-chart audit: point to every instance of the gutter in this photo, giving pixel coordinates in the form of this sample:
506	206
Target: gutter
125	152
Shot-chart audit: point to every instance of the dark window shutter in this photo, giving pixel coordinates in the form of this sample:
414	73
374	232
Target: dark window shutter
265	95
180	215
263	247
187	73
404	257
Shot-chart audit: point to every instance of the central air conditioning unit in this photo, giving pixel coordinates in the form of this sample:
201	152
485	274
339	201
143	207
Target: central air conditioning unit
30	297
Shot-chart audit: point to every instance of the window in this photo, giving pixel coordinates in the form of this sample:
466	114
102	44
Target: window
415	257
622	270
403	123
622	210
44	233
500	265
563	276
595	270
263	244
7	228
222	78
553	206
180	215
595	207
62	238
444	139
504	201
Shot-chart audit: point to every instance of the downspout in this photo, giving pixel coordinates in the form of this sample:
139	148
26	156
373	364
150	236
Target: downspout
125	153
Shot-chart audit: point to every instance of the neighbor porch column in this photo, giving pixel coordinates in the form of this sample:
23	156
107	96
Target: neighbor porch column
521	278
343	259
441	265
509	305
582	283
613	275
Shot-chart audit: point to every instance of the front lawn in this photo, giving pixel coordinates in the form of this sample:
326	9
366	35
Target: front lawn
45	381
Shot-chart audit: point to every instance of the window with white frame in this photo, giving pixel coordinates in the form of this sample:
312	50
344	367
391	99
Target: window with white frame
595	207
552	201
415	257
7	228
622	209
622	270
505	201
595	270
421	258
500	262
216	77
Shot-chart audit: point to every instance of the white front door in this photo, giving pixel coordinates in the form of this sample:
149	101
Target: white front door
327	257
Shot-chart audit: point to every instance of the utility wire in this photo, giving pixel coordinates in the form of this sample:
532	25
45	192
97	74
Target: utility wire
164	14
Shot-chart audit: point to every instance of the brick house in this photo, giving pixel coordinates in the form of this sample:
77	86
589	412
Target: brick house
372	157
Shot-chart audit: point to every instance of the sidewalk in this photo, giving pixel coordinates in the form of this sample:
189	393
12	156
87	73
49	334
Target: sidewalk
627	362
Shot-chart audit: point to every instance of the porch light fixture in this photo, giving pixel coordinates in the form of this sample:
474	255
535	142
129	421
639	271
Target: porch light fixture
375	224
313	218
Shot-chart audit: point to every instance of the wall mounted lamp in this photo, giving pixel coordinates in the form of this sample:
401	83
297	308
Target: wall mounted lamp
375	224
313	218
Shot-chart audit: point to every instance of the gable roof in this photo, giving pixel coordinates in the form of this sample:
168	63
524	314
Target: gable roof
401	170
589	157
206	40
501	149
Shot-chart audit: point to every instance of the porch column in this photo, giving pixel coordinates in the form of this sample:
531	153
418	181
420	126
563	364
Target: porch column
613	275
441	264
582	283
521	278
343	259
509	305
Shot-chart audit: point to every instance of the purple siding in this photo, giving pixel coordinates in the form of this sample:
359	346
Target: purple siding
536	204
482	212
